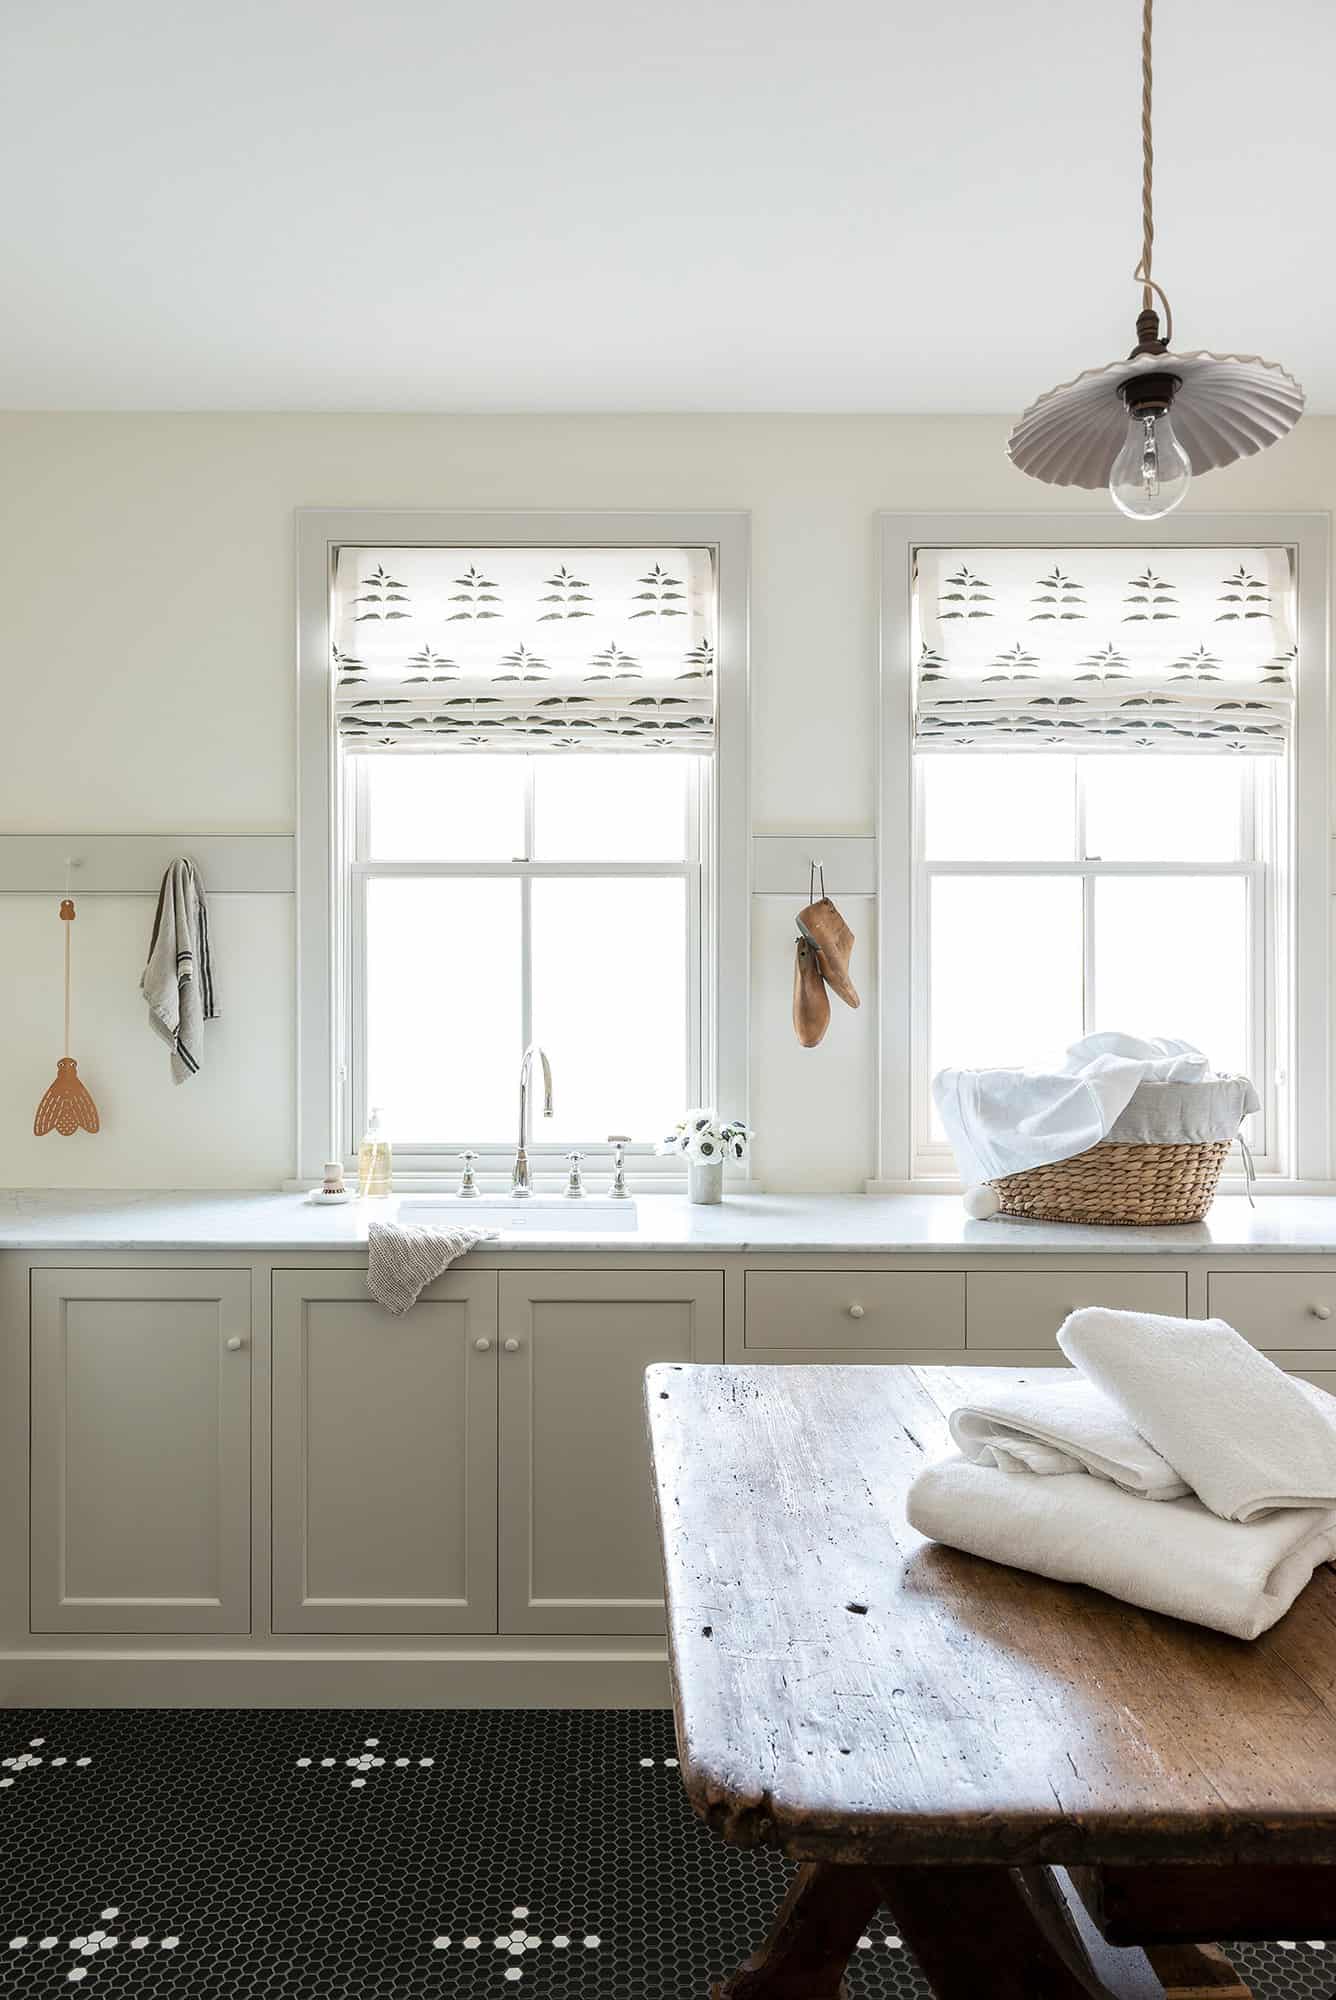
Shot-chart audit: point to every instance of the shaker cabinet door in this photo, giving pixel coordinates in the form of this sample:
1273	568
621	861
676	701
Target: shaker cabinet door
579	1546
384	1456
141	1434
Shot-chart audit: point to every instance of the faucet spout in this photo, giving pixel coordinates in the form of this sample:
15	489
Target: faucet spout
521	1184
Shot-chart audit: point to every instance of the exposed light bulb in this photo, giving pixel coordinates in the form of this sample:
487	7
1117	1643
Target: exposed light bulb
1151	473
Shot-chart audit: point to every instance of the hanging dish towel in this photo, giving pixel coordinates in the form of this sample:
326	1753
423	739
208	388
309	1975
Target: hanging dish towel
403	1260
1005	1121
178	979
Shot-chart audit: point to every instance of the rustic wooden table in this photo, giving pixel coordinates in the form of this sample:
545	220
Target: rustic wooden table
1058	1796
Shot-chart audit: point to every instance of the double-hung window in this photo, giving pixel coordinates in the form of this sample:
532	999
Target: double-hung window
522	743
1102	751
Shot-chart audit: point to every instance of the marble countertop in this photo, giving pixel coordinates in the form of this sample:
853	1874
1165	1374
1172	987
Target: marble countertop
927	1225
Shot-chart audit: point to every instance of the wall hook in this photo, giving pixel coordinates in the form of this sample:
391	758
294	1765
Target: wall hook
815	870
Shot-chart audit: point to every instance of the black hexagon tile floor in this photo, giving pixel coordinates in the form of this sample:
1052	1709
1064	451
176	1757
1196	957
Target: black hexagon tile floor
410	1855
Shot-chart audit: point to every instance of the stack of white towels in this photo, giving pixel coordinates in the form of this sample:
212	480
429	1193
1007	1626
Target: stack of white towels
1178	1469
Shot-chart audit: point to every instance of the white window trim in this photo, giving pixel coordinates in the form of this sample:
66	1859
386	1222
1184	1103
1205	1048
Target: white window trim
1303	855
322	1098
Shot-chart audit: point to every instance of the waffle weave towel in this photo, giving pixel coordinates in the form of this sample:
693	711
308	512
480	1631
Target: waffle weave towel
402	1260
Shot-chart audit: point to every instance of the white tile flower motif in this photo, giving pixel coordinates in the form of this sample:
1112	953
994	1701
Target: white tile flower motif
517	1942
90	1947
23	1761
364	1763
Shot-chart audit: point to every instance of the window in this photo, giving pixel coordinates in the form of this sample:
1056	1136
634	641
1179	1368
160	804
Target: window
1113	762
509	899
512	760
1067	893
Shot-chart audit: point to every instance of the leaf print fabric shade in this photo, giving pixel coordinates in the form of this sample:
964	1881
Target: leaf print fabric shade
524	648
1101	649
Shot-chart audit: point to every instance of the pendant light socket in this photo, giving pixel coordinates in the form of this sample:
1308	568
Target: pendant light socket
1149	395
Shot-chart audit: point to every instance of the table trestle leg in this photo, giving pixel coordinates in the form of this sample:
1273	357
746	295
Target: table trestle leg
810	1942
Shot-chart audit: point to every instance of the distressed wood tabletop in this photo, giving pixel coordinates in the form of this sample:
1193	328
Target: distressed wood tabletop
851	1693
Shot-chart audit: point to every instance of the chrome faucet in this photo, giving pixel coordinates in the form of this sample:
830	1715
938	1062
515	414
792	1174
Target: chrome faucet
521	1186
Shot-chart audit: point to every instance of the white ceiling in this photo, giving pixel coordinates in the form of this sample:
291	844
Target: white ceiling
607	205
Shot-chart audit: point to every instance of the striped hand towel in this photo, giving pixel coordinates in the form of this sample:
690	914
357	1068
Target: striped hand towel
178	979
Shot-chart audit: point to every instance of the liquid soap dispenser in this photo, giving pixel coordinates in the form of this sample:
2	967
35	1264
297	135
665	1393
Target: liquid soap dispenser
375	1162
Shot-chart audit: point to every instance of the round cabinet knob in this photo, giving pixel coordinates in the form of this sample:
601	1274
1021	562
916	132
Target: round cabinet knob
234	1343
483	1345
857	1311
1320	1311
512	1346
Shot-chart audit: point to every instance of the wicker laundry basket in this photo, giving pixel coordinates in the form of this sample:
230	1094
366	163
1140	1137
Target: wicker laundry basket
1119	1184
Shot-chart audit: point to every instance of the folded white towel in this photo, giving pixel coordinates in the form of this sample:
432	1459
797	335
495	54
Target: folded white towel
1245	1436
1059	1425
1179	1558
402	1260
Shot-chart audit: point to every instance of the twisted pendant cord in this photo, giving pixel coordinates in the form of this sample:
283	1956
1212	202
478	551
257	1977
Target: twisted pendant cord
1142	273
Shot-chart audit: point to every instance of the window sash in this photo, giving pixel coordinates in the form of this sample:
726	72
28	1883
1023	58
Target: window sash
496	1152
1261	815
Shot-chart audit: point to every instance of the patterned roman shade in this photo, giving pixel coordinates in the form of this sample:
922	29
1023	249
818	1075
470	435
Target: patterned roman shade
1104	649
524	648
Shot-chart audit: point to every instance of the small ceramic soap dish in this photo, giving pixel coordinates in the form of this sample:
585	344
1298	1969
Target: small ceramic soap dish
334	1192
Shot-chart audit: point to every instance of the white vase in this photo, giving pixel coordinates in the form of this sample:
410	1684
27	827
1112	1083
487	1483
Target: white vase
705	1180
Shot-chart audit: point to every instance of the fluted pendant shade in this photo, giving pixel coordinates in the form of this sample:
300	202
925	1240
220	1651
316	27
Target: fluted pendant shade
1227	406
1143	426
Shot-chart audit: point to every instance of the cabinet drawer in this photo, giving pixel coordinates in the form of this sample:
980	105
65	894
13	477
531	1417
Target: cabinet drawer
1024	1309
855	1309
1274	1311
1310	1367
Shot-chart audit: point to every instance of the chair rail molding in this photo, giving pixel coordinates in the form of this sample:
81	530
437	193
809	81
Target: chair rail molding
133	864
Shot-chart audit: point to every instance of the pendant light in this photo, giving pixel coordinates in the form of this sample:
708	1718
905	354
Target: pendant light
1145	425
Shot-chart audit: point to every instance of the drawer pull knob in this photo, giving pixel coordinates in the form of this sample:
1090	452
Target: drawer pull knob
1320	1312
483	1344
857	1311
512	1346
234	1342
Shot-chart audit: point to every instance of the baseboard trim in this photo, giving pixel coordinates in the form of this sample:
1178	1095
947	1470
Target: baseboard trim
252	1680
